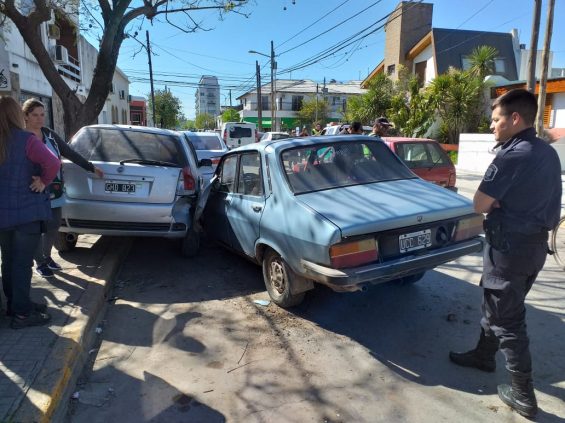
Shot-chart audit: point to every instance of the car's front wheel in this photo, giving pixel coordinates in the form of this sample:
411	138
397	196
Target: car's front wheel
278	277
190	244
65	242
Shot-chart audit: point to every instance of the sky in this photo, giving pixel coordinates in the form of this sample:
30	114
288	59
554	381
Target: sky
301	30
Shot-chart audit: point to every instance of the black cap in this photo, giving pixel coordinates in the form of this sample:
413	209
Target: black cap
383	121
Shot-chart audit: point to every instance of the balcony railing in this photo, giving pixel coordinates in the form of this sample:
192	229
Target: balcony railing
70	69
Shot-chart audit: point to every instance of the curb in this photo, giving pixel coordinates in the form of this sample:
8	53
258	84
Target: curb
48	392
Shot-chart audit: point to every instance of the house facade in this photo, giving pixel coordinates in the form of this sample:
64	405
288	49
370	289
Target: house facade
289	96
411	41
75	60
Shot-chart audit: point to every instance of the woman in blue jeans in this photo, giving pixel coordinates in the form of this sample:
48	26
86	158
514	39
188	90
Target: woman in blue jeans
26	167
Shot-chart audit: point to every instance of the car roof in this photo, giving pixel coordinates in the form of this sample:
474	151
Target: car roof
134	128
202	134
304	142
405	139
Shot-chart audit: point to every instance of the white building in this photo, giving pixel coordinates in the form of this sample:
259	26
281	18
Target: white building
289	96
208	96
75	60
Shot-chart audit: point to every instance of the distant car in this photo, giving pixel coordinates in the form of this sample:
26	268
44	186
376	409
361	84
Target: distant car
208	145
343	211
273	136
425	158
236	134
336	129
151	186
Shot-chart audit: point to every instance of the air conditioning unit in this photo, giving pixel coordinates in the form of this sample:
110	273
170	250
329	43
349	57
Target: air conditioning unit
60	54
53	32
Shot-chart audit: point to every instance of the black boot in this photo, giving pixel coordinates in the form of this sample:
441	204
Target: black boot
482	357
520	395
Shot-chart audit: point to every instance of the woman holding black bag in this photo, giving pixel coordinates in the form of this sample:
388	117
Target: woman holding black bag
34	112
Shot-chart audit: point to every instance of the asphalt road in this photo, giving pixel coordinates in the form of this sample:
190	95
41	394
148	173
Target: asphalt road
184	340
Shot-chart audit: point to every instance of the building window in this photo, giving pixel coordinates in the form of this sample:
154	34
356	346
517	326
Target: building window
390	69
265	102
465	63
343	105
122	94
335	100
297	102
420	71
499	65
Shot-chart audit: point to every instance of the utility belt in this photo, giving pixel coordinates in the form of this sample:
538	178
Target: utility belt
502	239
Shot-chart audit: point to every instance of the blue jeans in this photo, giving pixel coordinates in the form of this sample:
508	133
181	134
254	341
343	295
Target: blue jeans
17	246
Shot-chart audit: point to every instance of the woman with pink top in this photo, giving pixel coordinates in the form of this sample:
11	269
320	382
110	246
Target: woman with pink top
27	166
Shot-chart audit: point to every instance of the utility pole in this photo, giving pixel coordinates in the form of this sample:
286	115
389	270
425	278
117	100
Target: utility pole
273	89
545	64
230	98
259	101
151	79
531	87
316	103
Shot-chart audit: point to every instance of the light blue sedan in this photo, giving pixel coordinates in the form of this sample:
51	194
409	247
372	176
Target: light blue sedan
343	211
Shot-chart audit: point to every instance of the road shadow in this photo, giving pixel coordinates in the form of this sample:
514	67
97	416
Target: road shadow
411	329
128	399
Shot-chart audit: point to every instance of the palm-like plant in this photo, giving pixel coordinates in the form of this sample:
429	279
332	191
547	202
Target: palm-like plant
482	61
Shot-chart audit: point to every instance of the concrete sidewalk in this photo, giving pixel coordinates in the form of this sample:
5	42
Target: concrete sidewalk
39	365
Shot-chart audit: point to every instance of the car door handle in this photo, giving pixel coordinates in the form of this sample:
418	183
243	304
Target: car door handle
257	208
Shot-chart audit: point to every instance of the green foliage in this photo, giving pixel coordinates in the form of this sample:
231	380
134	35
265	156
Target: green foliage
411	108
205	121
482	61
307	113
230	115
374	103
456	97
187	125
167	109
453	155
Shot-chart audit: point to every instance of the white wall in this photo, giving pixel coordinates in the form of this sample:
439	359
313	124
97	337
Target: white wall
558	110
475	152
426	55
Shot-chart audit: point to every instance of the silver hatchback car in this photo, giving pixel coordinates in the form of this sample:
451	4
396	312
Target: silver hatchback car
151	186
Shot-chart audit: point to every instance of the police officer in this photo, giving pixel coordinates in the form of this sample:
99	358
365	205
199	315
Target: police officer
521	194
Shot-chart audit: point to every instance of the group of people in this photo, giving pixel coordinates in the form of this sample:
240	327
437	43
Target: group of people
520	195
31	188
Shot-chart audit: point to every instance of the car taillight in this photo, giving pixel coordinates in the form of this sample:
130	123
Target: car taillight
215	160
186	181
350	254
452	180
468	228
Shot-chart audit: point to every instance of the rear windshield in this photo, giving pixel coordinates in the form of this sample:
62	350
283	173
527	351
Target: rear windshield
205	142
339	164
240	132
115	145
422	154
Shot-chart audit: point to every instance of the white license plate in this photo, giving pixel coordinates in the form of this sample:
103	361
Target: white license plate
415	240
111	186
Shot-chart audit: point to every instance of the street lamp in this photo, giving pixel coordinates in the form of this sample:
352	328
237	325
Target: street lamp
273	88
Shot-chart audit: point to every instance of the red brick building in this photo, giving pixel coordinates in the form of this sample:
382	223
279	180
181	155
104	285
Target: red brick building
138	111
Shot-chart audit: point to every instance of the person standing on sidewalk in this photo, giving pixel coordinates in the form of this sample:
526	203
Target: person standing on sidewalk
34	111
521	195
24	205
380	127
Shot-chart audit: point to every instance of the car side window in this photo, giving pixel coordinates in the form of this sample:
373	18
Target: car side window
227	174
250	179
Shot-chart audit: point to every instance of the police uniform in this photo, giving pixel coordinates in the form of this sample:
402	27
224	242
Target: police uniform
525	178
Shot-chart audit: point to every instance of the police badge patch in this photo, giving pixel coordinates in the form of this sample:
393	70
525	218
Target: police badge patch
490	173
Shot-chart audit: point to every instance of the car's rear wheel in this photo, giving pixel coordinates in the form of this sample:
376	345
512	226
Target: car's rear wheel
190	244
65	241
408	280
278	277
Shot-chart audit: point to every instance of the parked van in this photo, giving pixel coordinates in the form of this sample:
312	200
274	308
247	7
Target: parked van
236	134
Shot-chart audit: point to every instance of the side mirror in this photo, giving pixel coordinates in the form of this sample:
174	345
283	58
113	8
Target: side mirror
204	162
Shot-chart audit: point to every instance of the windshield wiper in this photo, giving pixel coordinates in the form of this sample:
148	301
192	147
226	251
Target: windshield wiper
150	162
